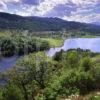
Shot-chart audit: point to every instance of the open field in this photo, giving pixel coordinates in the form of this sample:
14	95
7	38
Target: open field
54	42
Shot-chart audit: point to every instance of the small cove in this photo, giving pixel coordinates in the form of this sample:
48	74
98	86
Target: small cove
92	44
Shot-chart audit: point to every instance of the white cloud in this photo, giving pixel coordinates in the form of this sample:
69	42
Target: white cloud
80	18
2	6
10	0
83	9
84	2
48	5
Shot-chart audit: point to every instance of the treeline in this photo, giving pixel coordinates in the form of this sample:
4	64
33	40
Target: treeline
11	21
38	77
20	45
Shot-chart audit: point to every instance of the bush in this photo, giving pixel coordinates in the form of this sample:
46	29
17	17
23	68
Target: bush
86	64
7	47
21	45
95	98
12	93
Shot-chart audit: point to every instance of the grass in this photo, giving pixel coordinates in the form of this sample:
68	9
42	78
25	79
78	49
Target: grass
96	58
5	34
54	42
89	36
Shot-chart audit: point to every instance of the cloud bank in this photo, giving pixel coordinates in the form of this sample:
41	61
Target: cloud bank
71	10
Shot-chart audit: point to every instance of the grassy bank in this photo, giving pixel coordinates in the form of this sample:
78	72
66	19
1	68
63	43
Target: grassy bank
54	42
89	36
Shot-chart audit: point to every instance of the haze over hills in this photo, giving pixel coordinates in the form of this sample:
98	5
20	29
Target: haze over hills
12	21
96	23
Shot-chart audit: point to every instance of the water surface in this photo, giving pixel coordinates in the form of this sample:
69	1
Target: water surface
92	44
7	63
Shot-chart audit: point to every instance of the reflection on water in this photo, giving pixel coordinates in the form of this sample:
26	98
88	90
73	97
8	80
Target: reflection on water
92	44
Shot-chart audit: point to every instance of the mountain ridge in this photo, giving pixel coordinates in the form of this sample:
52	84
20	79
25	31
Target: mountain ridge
34	23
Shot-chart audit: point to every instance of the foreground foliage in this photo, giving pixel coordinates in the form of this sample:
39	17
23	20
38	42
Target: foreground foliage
38	77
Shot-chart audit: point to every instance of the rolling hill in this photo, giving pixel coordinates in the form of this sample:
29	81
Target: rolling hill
12	21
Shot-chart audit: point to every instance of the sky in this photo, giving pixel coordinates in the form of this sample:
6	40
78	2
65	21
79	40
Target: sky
72	10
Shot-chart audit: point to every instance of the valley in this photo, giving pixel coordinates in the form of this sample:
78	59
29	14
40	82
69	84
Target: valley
48	59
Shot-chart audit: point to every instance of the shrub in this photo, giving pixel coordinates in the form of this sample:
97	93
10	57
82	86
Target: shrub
12	93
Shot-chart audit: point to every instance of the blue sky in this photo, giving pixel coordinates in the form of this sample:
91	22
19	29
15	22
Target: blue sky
71	10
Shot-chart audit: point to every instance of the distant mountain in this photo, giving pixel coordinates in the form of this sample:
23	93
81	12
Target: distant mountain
96	23
12	21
